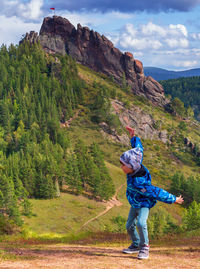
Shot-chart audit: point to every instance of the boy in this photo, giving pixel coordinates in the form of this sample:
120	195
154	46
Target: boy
141	196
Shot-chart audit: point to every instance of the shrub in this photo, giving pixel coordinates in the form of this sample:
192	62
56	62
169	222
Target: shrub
182	126
191	218
161	223
120	223
6	226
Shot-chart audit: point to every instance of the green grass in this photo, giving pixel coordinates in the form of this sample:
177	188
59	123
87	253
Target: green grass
90	76
68	213
65	214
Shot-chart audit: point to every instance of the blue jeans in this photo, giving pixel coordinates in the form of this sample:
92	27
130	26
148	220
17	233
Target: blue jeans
138	217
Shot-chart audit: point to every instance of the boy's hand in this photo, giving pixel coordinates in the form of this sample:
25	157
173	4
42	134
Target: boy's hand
179	200
131	131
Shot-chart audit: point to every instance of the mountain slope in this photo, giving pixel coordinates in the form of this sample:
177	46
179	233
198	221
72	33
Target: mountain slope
163	159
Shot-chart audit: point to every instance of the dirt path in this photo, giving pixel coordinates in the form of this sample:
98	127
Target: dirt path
90	257
110	204
68	122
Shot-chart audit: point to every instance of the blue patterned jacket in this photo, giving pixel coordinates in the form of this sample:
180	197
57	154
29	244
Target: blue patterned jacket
140	192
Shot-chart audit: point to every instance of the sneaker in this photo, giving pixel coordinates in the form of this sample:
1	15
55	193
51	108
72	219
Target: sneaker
131	249
143	253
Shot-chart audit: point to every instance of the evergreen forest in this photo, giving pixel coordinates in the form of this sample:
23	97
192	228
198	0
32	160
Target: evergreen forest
187	90
38	93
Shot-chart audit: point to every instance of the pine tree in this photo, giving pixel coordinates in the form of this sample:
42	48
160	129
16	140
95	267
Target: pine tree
72	175
175	187
191	218
9	199
45	188
94	178
82	158
106	186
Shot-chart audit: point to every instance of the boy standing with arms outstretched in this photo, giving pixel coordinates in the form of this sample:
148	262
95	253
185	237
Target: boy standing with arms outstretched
141	195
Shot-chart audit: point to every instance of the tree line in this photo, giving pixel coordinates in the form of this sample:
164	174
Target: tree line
186	90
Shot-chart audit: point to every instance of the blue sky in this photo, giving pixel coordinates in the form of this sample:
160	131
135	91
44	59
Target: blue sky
164	33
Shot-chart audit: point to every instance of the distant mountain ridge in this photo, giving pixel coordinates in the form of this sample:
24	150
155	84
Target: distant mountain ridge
163	74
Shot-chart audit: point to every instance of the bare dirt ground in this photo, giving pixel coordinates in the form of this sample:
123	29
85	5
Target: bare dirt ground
171	254
62	256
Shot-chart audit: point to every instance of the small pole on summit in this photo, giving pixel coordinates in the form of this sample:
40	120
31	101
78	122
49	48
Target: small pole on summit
53	9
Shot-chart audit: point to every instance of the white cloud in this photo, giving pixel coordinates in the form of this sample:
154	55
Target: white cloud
141	44
138	54
141	39
12	29
169	46
196	52
33	9
95	19
150	29
195	36
29	10
76	18
178	59
120	15
152	36
173	43
178	29
130	30
185	64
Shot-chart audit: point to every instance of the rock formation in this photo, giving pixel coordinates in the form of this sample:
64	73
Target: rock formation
143	123
58	35
194	148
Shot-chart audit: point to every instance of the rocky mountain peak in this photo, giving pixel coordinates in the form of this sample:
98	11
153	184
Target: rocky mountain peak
58	35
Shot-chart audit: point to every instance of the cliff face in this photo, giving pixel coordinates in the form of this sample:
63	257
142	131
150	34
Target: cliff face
143	123
58	35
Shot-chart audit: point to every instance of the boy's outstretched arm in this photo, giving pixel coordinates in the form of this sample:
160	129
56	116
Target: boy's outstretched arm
131	131
179	200
161	195
135	141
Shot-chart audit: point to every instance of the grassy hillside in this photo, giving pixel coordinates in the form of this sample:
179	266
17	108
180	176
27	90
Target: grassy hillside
68	213
162	152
